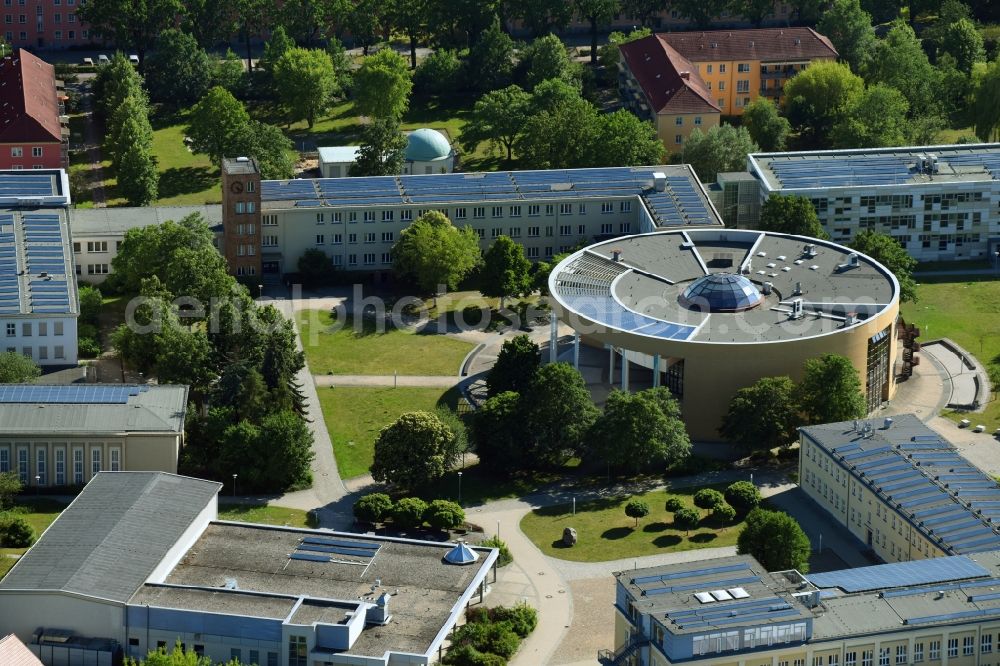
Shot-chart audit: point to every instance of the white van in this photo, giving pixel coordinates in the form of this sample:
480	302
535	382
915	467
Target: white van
134	59
102	59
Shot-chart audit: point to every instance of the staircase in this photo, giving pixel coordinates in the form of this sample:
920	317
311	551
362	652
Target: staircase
611	658
907	334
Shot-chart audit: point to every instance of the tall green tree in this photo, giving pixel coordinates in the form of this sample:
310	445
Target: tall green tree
807	12
410	17
17	368
768	129
179	71
305	82
876	119
624	139
830	390
130	24
435	253
637	509
701	12
138	179
272	149
148	252
887	251
462	21
498	434
133	108
515	367
540	17
850	29
763	415
776	540
498	117
505	270
382	151
114	83
817	97
217	125
414	450
791	214
278	45
645	11
440	73
561	138
754	11
963	40
209	21
184	356
985	107
900	62
599	13
382	86
639	431
253	17
558	414
546	58
491	60
722	148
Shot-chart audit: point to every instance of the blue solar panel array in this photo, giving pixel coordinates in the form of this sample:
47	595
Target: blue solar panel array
680	204
989	161
365	551
821	171
27	184
747	612
900	574
69	394
10	299
33	263
607	310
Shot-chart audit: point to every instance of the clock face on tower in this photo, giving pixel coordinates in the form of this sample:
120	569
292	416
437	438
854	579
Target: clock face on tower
236	187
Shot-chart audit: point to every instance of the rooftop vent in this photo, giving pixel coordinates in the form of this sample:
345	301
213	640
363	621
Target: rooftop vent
797	308
704	597
738	593
231	584
768	288
659	181
616	255
721	595
887	423
461	554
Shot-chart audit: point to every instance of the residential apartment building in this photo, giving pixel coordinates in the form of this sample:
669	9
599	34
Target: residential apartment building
939	202
43	24
140	561
38	295
716	72
900	488
268	225
33	125
731	612
60	436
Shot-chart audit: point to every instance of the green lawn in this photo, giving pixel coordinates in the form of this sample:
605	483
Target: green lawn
604	532
345	351
39	513
354	417
268	515
968	312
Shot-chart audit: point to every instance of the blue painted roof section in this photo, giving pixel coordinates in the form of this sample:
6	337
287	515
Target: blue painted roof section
104	394
900	574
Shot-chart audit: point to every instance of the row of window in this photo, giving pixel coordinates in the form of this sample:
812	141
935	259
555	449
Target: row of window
39	475
246	250
58	352
478	212
18	151
236	654
57	36
56	18
95	247
248	207
28	327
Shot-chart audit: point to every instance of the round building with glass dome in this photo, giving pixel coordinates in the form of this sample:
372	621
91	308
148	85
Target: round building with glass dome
706	312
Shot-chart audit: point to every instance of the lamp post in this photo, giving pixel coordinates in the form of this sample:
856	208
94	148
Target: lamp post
38	482
460	489
234	486
260	291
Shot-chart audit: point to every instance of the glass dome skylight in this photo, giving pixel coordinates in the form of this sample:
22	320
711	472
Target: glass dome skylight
721	292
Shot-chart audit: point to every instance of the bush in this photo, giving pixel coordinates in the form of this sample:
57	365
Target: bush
91	302
440	73
708	498
674	504
444	515
505	557
15	532
87	331
466	655
522	618
743	496
373	508
498	638
88	347
409	512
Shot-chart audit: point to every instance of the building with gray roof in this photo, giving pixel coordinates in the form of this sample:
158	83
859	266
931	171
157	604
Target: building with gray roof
899	487
711	311
730	610
139	561
938	202
58	436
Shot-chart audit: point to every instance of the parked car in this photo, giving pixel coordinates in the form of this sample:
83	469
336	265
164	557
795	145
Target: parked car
102	59
134	59
88	61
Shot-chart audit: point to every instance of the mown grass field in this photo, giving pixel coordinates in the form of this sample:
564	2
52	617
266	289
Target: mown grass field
39	512
268	515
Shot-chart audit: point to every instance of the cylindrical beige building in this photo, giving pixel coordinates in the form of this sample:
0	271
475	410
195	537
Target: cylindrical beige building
711	311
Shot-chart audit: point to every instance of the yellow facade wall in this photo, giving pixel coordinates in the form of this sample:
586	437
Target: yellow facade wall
669	131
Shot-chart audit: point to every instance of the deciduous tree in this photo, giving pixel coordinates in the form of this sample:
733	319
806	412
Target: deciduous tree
963	40
137	176
754	11
444	515
816	98
497	434
830	390
373	507
540	16
686	519
440	73
414	450
130	24
505	270
640	430
791	214
768	129
209	21
305	82
558	413
382	86
515	368
546	58
17	368
708	499
900	62
599	13
491	60
763	415
776	540
850	29
722	148
179	71
637	509
561	138
382	151
218	125
434	252
700	12
876	119
743	496
887	251
985	108
498	117
625	140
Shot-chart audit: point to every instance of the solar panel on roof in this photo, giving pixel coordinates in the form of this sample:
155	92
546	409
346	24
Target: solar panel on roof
900	574
309	558
643	580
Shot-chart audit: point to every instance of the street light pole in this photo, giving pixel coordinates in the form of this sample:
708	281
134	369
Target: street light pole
260	291
234	486
38	482
460	489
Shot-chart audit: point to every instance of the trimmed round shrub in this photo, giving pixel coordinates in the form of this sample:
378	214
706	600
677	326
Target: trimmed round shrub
444	515
373	508
15	532
724	513
686	519
674	504
505	557
743	496
708	498
636	509
409	512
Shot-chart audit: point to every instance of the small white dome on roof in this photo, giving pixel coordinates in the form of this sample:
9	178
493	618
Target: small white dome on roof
427	145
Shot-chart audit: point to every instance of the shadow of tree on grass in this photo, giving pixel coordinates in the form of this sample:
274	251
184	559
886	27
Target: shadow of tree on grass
616	533
186	180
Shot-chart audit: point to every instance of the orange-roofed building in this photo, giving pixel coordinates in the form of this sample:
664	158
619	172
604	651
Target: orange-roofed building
33	133
683	80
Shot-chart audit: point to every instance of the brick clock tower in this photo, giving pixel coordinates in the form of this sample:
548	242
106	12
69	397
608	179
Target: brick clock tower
241	217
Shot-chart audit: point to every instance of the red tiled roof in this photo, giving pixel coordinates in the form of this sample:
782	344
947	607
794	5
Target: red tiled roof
764	44
29	108
13	653
670	81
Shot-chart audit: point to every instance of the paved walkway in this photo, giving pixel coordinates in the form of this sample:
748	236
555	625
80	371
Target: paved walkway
431	381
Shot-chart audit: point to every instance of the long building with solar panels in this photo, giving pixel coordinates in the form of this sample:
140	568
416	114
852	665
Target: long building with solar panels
706	312
140	561
268	225
38	298
730	611
900	488
56	436
939	202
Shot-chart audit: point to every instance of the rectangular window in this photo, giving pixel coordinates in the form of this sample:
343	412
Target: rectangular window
934	653
851	659
515	211
352	260
352	239
565	230
369	258
60	454
496	232
22	465
479	212
986	644
320	239
532	253
515	232
722	68
952	647
115	459
36	151
459	213
251	206
386	257
722	86
272	659
968	645
743	67
497	211
95	460
697	120
533	210
900	654
625	228
387	236
533	232
4	460
406	215
370	237
26	329
481	233
918	652
320	218
239	207
607	229
743	86
78	467
581	209
17	151
11	330
43	353
679	120
550	209
866	657
581	229
369	216
388	215
607	207
566	209
678	138
251	186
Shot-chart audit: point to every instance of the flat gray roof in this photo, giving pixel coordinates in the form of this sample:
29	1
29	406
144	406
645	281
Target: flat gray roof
640	293
921	476
113	221
424	588
109	540
86	409
874	167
